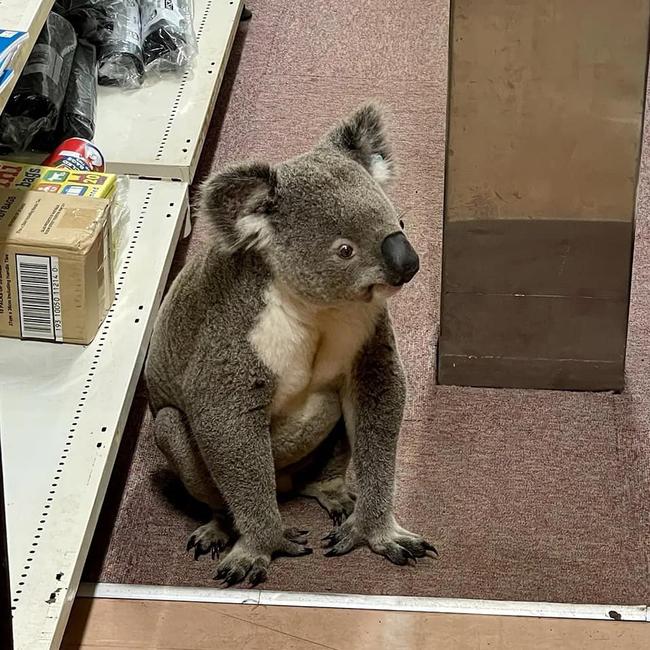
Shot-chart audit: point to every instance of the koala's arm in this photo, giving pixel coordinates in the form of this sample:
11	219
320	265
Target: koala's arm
373	406
237	451
228	417
373	410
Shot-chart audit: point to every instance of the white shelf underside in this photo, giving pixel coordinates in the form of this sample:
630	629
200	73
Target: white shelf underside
23	16
62	413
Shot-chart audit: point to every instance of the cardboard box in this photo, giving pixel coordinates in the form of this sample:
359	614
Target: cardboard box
55	180
56	276
544	136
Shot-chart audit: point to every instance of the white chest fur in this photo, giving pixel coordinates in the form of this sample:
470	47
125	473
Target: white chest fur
309	349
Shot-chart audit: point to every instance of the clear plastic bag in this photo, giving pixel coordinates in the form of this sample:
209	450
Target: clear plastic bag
31	115
120	216
120	54
80	104
168	38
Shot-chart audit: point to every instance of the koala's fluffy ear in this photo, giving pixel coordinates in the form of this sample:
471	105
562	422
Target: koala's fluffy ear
362	136
237	202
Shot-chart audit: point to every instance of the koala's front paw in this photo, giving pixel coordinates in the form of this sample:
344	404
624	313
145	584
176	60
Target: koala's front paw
392	541
247	561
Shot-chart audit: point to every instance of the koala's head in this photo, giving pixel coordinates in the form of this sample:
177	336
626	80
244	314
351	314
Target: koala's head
322	220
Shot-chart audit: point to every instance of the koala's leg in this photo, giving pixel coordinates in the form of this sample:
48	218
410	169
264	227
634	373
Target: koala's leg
329	487
373	405
175	441
233	436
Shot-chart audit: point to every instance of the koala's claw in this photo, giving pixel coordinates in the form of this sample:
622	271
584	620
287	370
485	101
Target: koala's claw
257	574
338	517
231	576
296	535
431	548
293	549
209	538
334	496
396	554
342	548
339	542
234	570
214	548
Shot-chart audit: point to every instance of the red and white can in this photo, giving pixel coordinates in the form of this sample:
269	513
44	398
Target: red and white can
77	154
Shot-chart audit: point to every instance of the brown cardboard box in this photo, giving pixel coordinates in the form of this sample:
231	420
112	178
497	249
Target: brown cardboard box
56	277
545	119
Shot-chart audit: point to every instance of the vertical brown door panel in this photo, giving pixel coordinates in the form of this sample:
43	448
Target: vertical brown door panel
545	121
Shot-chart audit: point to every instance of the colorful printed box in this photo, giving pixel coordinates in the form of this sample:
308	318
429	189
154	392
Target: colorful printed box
56	181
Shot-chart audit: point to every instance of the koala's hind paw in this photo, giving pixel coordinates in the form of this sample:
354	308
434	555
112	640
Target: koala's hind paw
245	563
209	538
296	535
334	497
343	539
395	543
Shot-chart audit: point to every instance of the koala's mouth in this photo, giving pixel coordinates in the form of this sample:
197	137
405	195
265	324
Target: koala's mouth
381	291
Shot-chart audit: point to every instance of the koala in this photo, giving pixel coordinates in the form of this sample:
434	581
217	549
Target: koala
273	361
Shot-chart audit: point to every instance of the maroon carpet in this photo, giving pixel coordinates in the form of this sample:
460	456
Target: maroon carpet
528	495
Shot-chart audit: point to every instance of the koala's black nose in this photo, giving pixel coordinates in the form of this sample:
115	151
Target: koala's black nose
401	261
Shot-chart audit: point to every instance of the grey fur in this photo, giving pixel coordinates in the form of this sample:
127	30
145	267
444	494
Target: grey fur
212	394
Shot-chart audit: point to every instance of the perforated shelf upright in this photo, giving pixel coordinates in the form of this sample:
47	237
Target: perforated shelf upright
63	410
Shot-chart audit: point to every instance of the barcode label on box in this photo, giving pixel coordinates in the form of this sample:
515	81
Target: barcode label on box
39	297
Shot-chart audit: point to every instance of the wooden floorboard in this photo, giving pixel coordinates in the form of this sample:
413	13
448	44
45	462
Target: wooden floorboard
104	624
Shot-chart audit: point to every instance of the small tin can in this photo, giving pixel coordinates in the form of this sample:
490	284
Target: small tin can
77	154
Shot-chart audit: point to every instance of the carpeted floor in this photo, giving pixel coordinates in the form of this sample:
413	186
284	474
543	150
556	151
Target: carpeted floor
528	495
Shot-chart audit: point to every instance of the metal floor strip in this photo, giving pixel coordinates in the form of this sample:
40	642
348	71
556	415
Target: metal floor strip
359	601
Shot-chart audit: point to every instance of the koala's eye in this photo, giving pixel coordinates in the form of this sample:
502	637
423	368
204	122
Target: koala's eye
345	251
401	224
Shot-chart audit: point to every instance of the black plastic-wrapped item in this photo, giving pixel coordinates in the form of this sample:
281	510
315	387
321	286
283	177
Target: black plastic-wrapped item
88	17
80	105
34	108
168	39
120	55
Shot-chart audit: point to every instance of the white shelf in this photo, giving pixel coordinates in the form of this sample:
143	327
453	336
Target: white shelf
62	412
157	131
62	407
23	16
